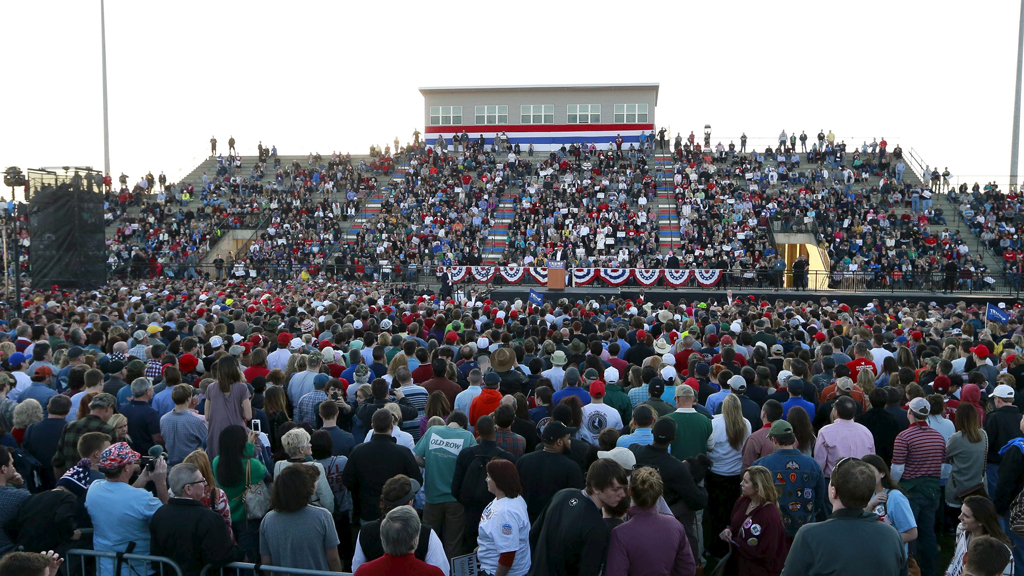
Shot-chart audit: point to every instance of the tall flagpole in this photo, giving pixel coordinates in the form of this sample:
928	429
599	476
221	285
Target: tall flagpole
106	125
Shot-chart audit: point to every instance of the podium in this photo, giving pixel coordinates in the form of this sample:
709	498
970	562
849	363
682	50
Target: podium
556	275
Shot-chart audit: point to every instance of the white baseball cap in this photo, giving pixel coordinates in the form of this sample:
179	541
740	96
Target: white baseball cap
1003	391
611	375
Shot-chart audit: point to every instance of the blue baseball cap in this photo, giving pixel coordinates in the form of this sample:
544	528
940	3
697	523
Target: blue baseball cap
320	380
16	359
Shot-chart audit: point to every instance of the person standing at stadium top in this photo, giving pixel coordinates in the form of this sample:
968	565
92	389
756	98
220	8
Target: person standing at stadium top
917	461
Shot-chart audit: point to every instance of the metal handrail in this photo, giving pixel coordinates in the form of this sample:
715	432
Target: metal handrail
260	226
250	568
146	559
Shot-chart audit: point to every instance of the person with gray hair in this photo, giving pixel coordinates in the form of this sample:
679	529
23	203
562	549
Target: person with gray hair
296	443
399	536
143	419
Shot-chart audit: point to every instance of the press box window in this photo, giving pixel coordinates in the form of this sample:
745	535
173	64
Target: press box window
445	115
630	113
537	114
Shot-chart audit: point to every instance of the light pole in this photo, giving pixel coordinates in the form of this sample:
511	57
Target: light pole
1015	148
106	125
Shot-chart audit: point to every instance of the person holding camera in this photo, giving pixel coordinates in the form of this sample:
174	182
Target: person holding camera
121	512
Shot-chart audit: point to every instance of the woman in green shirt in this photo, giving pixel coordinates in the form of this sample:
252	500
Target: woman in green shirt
237	447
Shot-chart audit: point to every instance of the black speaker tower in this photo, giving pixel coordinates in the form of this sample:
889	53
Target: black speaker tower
67	233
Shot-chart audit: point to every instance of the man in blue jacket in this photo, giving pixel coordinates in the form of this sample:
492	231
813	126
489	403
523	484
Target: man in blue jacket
798	479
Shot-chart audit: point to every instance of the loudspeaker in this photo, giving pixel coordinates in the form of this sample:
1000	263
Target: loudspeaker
67	235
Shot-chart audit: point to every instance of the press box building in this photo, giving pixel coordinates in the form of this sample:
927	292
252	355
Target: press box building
547	116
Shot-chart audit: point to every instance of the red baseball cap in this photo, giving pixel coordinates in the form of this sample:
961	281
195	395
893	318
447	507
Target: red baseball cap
981	350
597	389
641	334
451	336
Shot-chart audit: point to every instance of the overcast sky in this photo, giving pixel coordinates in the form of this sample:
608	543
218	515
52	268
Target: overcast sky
937	77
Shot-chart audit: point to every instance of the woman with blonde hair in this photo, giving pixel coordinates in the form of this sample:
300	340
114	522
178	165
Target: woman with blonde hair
27	413
866	381
120	425
399	361
215	498
296	444
729	430
7	348
756	529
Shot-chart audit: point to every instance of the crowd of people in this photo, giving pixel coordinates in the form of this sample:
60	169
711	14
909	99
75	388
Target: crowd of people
328	427
590	204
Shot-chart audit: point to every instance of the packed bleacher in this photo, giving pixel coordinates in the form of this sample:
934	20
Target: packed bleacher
339	427
595	205
727	198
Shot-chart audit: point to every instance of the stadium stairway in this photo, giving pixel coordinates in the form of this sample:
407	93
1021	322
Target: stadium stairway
497	237
668	220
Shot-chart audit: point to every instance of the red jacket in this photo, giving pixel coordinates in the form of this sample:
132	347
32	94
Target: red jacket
484	404
407	565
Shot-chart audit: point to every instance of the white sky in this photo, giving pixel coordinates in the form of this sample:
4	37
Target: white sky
323	76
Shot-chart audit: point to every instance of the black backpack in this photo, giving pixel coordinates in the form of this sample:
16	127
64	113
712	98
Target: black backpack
30	468
474	488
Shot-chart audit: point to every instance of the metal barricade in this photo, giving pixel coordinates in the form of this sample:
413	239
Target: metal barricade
130	564
242	568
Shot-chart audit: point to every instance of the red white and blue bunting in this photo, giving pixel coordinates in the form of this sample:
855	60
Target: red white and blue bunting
708	278
676	277
646	276
584	276
512	275
614	276
484	274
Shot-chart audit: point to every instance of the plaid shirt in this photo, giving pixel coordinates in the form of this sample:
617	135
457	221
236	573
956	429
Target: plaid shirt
138	351
509	441
153	369
308	407
66	455
639	395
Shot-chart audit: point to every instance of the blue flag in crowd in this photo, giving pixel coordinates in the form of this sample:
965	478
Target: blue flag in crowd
997	314
536	298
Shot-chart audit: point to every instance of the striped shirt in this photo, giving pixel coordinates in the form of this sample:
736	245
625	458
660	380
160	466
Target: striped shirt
922	449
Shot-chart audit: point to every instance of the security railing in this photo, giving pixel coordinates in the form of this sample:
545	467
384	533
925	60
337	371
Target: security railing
103	562
240	568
